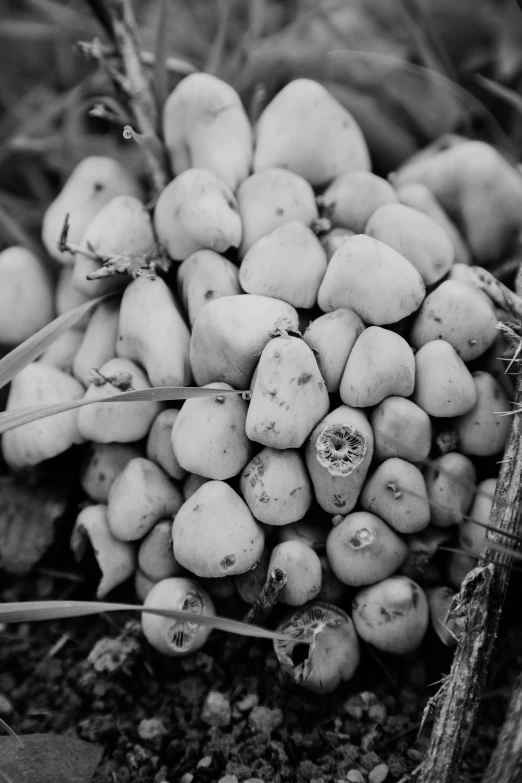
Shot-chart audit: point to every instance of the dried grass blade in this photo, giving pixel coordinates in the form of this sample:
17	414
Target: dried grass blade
216	54
11	731
35	345
17	418
30	611
160	75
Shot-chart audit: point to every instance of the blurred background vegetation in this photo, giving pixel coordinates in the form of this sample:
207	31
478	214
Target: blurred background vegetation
409	70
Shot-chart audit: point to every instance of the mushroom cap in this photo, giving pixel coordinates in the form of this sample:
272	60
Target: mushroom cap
214	533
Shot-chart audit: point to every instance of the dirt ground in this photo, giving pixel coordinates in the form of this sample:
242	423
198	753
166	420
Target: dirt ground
224	714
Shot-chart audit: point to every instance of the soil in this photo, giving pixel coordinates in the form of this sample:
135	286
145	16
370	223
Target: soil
221	715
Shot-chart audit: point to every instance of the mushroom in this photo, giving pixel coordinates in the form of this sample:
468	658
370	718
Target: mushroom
155	556
214	533
159	444
323	649
276	486
362	549
303	571
171	637
141	496
392	615
116	559
104	463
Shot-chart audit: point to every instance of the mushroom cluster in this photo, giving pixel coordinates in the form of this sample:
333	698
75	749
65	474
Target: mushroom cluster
354	372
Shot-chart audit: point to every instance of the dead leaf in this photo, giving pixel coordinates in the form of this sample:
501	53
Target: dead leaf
48	758
27	517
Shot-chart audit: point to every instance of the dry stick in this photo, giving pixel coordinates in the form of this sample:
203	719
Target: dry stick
479	606
131	79
506	760
268	597
260	611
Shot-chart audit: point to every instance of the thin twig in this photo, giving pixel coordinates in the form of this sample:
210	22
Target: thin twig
142	265
126	69
173	64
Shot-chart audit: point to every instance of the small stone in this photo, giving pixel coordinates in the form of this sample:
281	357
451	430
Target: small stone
265	720
368	698
369	760
377	713
354	707
414	755
378	774
368	740
151	729
397	764
6	707
248	702
271	663
254	780
108	655
229	779
216	709
137	757
161	775
188	777
205	762
354	776
200	662
350	753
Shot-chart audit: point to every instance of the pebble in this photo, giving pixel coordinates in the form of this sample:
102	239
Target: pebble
188	777
248	702
369	699
254	780
6	707
354	776
266	720
151	729
354	707
216	709
414	755
205	762
378	774
369	760
271	663
229	779
200	662
109	655
377	713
